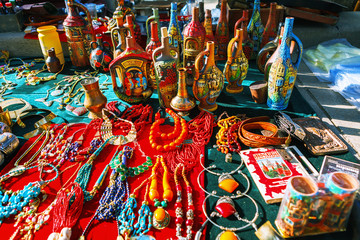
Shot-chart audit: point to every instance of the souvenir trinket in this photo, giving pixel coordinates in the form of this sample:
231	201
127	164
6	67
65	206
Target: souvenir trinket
94	101
49	38
118	35
269	33
237	65
100	56
165	69
222	32
132	69
79	34
209	81
52	62
248	44
175	35
153	44
255	29
194	36
283	72
155	17
182	102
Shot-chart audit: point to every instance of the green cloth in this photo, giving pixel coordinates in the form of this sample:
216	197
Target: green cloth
241	103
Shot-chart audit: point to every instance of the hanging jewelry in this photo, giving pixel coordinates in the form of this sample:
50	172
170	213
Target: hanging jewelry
179	210
161	218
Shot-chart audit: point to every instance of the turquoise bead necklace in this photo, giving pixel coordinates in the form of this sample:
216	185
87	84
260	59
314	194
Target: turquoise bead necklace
13	202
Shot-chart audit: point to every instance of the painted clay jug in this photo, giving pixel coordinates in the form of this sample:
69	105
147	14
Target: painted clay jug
165	70
283	72
118	36
130	25
269	33
242	23
237	65
267	51
52	62
194	36
201	12
175	36
209	80
255	29
153	44
182	102
209	35
222	32
79	33
101	55
95	100
154	17
132	69
122	11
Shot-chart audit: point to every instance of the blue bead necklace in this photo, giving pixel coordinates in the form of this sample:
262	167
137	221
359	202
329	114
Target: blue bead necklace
13	202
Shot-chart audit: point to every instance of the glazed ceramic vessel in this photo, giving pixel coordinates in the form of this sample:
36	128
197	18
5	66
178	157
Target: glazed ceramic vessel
175	36
194	36
118	36
95	100
283	72
154	17
209	35
131	68
237	65
255	29
242	23
269	33
79	33
222	32
101	55
182	102
130	25
209	80
52	62
153	44
165	70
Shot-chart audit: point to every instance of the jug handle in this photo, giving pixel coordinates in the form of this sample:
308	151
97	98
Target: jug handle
230	57
269	48
113	36
157	51
89	25
198	59
147	26
242	19
300	46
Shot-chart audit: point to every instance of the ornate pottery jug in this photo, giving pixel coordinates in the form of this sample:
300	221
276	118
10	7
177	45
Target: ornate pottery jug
94	101
153	44
101	55
237	65
242	23
269	33
132	69
79	34
209	80
182	102
201	12
165	70
267	51
130	25
194	36
283	72
255	29
156	18
222	32
175	36
118	35
209	35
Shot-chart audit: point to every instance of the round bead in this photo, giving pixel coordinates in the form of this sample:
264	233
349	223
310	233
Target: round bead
159	214
179	220
189	222
178	205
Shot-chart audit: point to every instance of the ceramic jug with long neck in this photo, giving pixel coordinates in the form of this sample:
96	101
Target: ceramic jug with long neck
237	65
255	29
165	65
175	36
283	71
242	23
209	80
153	44
154	17
118	36
269	33
222	32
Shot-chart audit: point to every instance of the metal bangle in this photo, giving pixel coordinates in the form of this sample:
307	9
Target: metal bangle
218	174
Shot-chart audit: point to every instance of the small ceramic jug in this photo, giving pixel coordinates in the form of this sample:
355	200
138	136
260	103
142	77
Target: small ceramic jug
101	55
283	72
52	62
95	100
165	70
209	80
237	65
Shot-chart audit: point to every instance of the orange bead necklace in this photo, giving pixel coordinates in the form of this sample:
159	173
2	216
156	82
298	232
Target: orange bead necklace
178	135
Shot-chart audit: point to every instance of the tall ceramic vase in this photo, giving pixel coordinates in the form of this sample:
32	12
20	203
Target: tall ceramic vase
194	36
283	72
269	33
209	80
79	33
175	36
255	29
165	70
154	17
153	44
222	32
118	36
101	55
237	65
242	23
209	35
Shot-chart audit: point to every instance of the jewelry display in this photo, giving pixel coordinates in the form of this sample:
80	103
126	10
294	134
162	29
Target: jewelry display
33	79
6	69
179	210
178	135
161	217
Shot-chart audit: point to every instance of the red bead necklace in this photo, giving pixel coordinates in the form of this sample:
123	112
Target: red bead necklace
140	115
